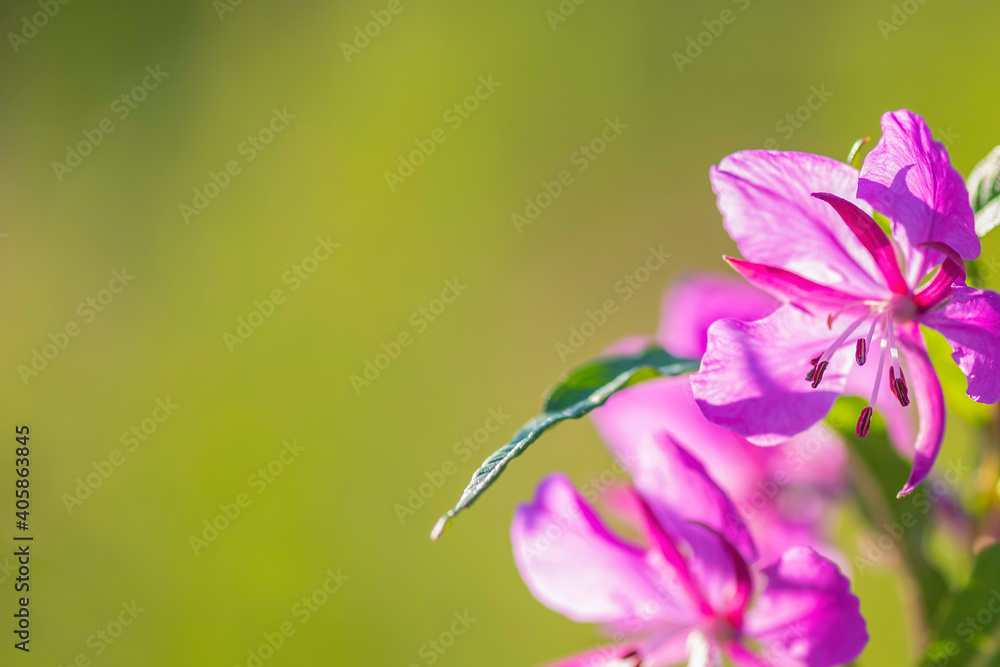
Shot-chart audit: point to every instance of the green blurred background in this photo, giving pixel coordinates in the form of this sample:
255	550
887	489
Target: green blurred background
334	507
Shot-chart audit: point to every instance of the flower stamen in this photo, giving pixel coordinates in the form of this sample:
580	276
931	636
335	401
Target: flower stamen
823	361
865	420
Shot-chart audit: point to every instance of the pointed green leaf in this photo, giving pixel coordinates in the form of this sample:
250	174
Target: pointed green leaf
878	472
583	390
984	192
968	632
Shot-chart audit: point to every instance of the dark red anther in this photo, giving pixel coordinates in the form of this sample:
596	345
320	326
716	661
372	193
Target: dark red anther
897	385
861	352
633	655
864	422
818	376
812	372
901	394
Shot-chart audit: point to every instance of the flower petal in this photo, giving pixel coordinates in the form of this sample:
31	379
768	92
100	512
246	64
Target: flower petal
611	655
680	491
779	491
970	322
574	565
909	178
766	202
793	288
923	379
807	613
632	419
752	377
693	303
872	238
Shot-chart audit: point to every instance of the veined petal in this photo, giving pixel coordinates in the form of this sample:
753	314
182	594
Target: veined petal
766	202
694	302
633	419
680	491
926	387
793	288
938	288
574	565
807	613
752	377
779	491
872	238
970	321
909	178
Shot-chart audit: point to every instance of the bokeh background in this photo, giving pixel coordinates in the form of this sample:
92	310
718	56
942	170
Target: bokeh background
336	506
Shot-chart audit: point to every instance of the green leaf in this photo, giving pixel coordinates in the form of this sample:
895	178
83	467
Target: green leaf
582	382
984	192
584	389
878	473
967	634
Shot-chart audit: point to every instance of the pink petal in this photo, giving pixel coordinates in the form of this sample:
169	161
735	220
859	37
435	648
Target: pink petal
938	289
632	419
792	288
909	178
693	303
611	655
779	491
766	201
872	238
680	491
752	377
807	613
574	565
924	383
970	322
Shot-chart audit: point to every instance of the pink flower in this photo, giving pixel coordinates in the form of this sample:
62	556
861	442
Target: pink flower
784	493
803	224
689	594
